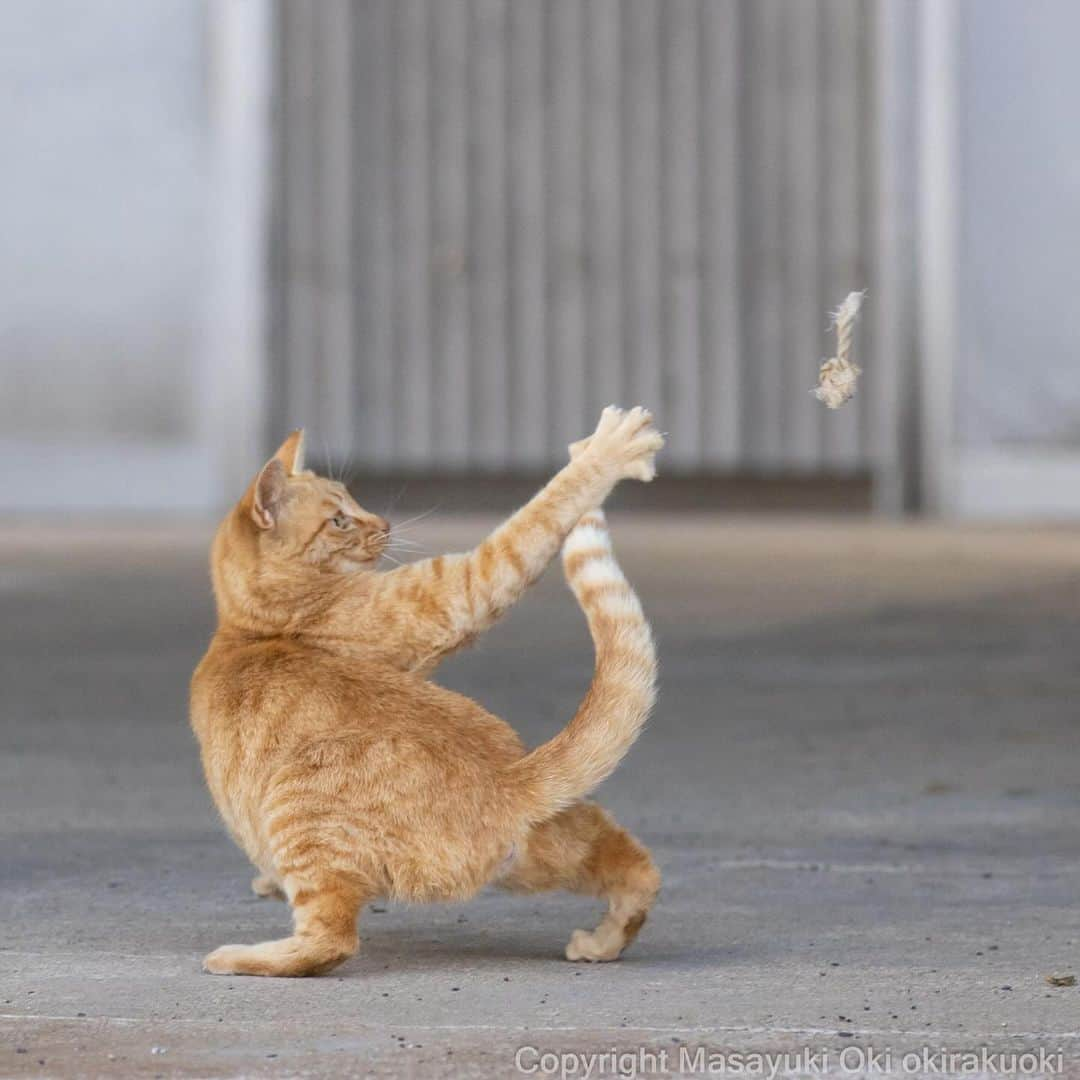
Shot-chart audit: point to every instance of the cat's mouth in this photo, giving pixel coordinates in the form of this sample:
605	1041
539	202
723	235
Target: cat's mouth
352	564
362	557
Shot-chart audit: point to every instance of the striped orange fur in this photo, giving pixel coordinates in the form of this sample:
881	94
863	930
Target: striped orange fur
346	775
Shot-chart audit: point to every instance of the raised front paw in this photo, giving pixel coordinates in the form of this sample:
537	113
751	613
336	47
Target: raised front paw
625	440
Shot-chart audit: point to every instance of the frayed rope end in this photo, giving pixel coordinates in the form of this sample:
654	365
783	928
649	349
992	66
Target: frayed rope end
848	311
836	383
838	377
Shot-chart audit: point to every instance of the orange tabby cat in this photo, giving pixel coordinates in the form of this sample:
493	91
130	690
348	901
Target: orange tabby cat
346	775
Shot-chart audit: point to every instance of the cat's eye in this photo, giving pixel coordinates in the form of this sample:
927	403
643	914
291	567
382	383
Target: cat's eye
342	521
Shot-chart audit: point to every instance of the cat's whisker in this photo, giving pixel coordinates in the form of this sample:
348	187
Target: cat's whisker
394	500
396	562
392	537
397	541
326	458
347	472
409	525
418	517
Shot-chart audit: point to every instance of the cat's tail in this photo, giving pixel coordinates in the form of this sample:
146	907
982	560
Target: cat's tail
623	689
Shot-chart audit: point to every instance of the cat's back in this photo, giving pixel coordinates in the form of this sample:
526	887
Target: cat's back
240	675
245	682
279	691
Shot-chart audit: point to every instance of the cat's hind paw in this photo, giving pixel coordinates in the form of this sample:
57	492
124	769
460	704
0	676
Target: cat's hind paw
594	946
265	885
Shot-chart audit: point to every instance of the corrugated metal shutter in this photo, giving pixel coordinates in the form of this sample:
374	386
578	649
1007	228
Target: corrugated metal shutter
495	216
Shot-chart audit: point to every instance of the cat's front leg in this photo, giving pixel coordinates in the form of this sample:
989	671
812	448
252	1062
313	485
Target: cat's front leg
455	597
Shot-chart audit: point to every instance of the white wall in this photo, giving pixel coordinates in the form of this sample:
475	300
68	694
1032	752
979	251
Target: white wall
1019	372
1017	379
133	258
103	114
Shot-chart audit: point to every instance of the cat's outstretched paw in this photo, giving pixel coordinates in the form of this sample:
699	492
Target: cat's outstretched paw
625	438
265	885
228	960
288	958
594	946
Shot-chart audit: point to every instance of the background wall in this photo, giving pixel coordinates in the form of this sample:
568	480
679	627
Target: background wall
105	186
442	233
1016	415
1018	379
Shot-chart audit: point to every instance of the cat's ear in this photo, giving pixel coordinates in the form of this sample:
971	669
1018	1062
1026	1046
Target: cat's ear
291	453
268	493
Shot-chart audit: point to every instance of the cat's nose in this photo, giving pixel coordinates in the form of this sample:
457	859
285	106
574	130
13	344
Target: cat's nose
381	524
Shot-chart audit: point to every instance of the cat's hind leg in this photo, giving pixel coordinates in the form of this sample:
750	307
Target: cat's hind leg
268	886
583	850
324	934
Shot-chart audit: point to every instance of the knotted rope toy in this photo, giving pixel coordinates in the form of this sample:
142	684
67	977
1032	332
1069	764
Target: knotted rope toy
838	376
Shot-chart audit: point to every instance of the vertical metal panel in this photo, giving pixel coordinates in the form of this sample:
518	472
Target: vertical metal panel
565	145
603	207
803	318
373	441
721	351
892	150
335	209
869	207
487	164
450	232
301	150
556	203
641	202
841	265
763	252
413	442
526	149
938	189
681	252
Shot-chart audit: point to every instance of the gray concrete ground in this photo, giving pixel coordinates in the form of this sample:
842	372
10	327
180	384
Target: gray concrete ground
861	783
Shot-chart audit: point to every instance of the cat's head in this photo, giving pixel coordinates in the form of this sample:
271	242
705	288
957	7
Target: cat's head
306	520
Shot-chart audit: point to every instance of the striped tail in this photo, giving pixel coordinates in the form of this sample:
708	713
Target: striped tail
623	689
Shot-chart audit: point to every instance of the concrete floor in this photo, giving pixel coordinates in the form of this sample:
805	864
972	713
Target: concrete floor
861	783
